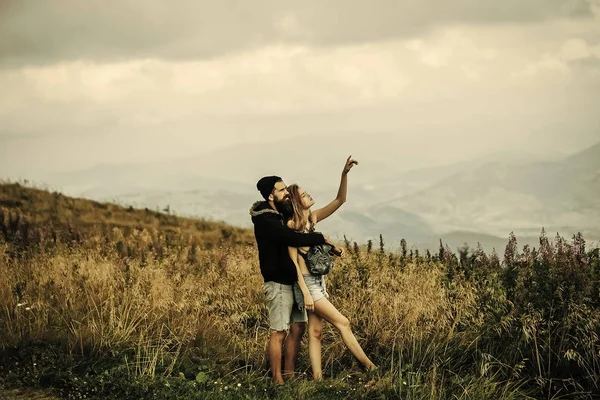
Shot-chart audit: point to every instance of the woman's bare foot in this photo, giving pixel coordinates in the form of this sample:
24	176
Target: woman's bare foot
373	371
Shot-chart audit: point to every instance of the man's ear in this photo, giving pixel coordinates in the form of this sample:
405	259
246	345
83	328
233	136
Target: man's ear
271	198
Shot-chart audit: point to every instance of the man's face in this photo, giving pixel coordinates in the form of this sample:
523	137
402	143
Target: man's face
281	198
280	192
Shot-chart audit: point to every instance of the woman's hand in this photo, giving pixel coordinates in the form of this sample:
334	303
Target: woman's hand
308	301
349	164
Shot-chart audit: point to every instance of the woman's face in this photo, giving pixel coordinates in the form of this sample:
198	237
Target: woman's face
305	200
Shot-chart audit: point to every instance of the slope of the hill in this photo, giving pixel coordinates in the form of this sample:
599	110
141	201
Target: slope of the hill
46	211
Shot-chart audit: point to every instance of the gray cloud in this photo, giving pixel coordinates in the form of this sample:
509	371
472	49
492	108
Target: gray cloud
47	32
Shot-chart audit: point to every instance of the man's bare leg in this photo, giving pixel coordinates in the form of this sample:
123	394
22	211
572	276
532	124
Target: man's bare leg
292	347
275	343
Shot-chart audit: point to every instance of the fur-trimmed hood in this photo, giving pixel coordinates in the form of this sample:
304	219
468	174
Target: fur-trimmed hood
261	207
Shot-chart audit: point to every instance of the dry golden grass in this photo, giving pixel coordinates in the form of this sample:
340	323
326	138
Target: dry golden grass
98	303
156	291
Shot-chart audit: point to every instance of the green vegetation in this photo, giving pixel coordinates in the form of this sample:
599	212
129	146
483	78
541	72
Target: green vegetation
103	301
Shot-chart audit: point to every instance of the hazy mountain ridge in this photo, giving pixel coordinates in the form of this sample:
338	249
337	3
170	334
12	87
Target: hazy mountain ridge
489	196
558	194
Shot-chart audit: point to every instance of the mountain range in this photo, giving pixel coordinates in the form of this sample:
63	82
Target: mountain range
395	192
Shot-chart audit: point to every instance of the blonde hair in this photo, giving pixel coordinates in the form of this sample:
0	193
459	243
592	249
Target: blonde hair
298	219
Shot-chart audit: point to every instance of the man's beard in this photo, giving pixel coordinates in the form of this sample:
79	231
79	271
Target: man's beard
284	207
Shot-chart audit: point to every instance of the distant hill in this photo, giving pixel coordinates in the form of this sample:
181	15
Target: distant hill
485	198
497	198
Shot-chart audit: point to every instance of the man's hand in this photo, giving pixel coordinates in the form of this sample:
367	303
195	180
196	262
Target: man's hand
349	164
338	251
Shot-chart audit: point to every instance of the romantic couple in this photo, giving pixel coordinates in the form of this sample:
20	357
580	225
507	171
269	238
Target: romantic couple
284	227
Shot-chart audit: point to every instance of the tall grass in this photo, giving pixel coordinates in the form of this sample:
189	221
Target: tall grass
442	326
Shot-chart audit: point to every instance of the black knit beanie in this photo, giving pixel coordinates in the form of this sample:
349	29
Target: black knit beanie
266	184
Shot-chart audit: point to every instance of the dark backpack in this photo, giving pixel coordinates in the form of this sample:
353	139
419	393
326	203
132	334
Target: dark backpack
319	259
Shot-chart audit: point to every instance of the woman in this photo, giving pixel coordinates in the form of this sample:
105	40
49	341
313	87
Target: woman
311	286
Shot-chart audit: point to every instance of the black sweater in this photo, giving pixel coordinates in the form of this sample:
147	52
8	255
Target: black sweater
273	238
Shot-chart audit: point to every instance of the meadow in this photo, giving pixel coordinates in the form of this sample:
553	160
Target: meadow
103	301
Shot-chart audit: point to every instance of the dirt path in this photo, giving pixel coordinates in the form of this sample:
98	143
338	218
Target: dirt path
28	394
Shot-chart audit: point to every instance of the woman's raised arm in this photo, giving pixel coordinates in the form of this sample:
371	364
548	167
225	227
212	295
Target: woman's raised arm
322	213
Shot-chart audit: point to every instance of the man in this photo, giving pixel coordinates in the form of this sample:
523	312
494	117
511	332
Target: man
279	272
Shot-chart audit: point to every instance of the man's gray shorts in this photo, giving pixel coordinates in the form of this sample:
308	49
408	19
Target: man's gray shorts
283	310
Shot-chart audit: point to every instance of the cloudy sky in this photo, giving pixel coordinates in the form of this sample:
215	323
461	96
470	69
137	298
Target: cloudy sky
104	82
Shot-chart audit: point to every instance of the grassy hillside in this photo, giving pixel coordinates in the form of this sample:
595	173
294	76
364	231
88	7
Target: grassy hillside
55	213
137	304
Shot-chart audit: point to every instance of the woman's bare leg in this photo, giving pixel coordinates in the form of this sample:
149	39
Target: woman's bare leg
328	312
315	326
